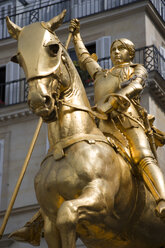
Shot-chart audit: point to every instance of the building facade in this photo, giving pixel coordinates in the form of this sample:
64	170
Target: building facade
102	21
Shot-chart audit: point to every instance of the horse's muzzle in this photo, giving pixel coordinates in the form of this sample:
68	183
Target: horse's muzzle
42	105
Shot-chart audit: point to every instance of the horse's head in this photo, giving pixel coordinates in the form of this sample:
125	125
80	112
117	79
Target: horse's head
40	54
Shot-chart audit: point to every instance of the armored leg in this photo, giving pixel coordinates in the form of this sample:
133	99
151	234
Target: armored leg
153	178
148	167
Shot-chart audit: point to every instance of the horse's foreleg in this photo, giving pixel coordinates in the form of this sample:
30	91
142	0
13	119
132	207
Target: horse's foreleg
51	233
93	201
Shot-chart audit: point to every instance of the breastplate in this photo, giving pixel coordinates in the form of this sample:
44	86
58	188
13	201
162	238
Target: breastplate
108	81
105	83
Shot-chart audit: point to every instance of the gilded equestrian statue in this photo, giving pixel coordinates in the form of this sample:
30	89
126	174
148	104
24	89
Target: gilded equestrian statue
85	187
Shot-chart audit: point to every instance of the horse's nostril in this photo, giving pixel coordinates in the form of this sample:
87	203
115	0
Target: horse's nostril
47	100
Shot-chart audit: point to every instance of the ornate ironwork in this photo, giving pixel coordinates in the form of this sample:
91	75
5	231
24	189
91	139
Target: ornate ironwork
34	16
151	58
76	9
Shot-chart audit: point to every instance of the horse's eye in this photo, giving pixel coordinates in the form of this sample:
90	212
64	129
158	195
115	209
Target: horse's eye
54	49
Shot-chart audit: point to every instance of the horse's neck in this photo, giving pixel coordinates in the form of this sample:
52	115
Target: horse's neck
74	121
71	123
70	120
53	133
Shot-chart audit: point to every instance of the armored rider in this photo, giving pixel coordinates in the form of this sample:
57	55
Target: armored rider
117	92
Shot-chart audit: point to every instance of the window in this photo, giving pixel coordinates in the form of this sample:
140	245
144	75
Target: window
90	47
162	61
1	164
81	8
86	79
5	9
2	84
15	88
103	51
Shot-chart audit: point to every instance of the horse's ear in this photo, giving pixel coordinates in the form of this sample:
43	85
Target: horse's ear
13	29
56	21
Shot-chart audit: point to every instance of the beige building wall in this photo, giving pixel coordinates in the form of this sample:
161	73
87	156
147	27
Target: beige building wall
153	34
126	24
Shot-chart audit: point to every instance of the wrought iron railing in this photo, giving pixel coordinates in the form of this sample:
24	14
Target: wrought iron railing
149	56
16	91
75	9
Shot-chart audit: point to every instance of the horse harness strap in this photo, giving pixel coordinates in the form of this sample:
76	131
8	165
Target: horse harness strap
58	149
101	116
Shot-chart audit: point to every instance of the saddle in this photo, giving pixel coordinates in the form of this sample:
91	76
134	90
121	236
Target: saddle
119	142
116	139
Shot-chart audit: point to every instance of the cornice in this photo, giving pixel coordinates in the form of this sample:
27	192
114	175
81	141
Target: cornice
5	241
118	12
13	112
156	18
21	210
9	42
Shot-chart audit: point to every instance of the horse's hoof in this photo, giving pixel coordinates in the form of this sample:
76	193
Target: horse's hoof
160	209
26	234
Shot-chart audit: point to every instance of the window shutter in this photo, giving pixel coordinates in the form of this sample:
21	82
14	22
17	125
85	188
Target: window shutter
5	9
1	164
14	91
162	62
81	8
103	51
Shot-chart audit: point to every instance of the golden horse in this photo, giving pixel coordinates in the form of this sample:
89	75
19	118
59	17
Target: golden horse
84	187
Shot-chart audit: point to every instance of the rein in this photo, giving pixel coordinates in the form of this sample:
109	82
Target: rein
86	109
101	116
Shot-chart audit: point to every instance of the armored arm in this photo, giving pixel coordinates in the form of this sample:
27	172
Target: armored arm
136	83
86	62
129	89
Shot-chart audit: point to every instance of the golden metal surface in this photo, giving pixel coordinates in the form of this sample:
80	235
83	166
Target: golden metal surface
85	188
23	171
124	79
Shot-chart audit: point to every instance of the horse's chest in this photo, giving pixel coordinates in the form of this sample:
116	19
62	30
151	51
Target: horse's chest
68	182
77	169
58	178
46	187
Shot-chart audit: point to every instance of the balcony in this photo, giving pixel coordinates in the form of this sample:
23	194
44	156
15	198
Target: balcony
40	11
152	59
149	56
16	91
